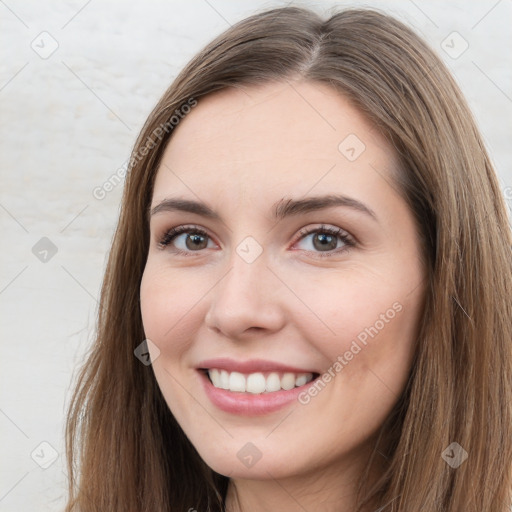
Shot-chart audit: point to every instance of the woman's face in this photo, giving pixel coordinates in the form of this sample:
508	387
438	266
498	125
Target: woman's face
271	294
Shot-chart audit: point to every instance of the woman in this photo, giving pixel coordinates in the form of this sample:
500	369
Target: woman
314	255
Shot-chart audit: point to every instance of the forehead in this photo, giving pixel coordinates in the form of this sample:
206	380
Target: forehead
286	136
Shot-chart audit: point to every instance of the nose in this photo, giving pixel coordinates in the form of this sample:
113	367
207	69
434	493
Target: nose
247	299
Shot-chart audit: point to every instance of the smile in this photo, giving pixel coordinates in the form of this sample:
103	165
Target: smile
258	382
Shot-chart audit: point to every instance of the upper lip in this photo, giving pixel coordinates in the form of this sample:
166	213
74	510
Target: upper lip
249	366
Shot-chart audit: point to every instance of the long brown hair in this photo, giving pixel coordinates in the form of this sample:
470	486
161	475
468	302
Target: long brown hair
126	452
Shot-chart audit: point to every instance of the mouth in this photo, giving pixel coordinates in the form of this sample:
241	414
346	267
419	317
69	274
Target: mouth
264	383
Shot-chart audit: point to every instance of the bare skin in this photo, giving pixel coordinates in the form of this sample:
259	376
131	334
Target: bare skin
241	152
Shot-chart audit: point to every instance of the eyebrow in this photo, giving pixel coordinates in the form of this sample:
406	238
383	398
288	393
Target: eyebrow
282	209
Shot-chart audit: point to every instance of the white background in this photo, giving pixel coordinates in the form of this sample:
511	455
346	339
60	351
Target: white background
68	123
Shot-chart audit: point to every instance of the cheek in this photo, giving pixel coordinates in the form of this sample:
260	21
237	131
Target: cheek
168	320
340	307
364	330
168	305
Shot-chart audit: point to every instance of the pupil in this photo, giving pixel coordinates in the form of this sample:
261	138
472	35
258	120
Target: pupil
196	240
324	239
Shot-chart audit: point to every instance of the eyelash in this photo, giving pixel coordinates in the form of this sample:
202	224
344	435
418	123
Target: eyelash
172	233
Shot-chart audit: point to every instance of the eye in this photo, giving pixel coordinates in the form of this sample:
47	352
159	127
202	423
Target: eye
195	238
325	240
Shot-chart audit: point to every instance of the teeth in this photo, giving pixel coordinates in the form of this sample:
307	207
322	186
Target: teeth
224	379
273	383
257	382
236	382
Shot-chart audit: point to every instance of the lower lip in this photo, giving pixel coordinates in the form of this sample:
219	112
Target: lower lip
249	404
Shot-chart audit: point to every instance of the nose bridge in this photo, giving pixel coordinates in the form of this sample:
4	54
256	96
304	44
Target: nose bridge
244	297
247	279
